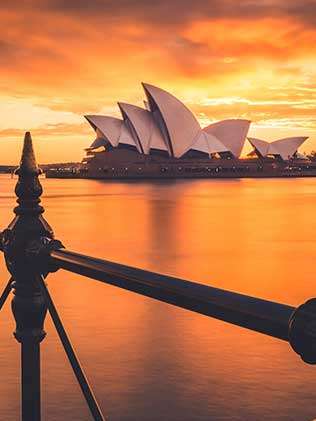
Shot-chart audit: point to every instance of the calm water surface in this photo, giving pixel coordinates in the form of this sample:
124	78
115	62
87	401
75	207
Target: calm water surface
147	360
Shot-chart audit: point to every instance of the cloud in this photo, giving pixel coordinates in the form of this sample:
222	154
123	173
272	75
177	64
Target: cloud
96	42
48	130
76	57
167	12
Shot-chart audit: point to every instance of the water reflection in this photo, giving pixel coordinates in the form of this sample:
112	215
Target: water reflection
148	360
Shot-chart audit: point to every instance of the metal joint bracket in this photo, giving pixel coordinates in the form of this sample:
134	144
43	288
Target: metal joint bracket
38	254
302	331
28	255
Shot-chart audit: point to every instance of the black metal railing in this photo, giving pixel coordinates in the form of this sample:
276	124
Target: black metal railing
31	253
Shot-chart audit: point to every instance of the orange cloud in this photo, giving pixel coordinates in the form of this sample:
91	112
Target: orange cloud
251	59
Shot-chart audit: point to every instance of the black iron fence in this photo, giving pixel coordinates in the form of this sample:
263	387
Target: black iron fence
31	253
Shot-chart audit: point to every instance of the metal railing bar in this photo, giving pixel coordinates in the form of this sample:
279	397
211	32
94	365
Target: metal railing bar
263	316
72	357
5	293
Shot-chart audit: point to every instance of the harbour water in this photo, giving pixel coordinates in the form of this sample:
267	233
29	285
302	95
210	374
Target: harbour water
148	361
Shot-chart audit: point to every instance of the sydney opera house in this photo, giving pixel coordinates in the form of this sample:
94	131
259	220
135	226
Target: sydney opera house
165	140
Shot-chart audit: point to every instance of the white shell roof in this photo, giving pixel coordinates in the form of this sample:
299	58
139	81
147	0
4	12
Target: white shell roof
201	144
215	144
208	143
286	147
110	127
289	145
181	125
148	134
261	145
141	121
231	132
99	141
126	137
156	140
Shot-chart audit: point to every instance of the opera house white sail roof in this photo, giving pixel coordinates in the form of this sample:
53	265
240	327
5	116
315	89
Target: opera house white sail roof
177	123
285	148
231	132
110	130
208	143
167	125
143	127
108	127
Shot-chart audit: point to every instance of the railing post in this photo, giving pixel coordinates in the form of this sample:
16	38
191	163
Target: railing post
28	305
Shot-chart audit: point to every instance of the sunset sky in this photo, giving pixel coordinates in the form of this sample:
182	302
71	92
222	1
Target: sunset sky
223	58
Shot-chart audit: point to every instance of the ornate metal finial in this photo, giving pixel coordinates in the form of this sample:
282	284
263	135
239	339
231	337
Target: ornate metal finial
28	188
28	162
28	226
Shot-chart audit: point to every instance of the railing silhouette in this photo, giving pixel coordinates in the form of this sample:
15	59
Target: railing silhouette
31	253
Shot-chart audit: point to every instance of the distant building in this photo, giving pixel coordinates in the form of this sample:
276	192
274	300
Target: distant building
165	140
167	128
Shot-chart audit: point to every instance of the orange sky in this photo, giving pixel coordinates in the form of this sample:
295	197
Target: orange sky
223	58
